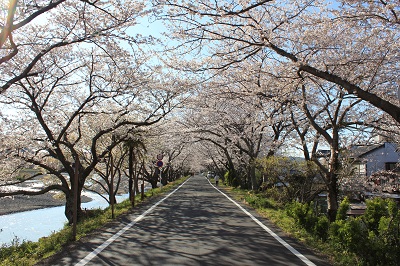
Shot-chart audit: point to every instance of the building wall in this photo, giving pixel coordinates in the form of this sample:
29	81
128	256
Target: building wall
377	159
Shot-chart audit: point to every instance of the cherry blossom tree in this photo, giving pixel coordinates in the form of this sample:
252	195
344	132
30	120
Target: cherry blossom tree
350	45
336	112
178	154
33	29
108	176
233	123
169	140
66	113
357	51
136	151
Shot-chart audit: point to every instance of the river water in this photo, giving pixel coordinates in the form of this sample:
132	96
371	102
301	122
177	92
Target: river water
32	225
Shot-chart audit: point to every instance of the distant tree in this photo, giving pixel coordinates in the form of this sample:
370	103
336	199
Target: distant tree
108	174
235	127
296	179
150	172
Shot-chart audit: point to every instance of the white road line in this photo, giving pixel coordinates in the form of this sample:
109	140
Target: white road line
100	248
263	226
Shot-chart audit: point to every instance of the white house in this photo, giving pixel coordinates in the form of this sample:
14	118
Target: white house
373	158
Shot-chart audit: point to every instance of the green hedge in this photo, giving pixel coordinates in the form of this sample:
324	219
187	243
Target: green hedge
370	239
373	237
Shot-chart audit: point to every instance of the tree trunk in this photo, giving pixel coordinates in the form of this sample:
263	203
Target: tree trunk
133	187
113	197
332	199
131	196
332	179
154	179
252	176
69	206
136	181
153	183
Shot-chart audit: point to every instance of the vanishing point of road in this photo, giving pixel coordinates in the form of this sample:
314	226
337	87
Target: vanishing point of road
196	224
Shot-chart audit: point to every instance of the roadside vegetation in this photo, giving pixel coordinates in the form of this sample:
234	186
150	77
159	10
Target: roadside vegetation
21	252
370	239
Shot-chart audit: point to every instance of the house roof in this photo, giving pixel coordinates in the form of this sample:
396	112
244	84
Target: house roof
359	151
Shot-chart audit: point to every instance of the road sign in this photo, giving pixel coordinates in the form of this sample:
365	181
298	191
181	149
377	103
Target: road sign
160	157
159	163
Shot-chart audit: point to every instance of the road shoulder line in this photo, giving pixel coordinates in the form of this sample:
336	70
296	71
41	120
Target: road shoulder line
266	228
100	248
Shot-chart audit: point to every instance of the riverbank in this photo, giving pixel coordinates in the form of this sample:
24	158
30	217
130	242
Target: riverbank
22	203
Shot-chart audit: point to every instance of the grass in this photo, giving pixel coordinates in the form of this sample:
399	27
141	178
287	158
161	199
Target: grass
26	253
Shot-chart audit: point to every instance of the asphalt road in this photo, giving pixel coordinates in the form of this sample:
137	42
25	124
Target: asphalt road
196	224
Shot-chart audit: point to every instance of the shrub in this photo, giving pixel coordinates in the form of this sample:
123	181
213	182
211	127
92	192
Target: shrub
342	210
321	227
385	238
231	179
277	194
258	201
376	209
303	215
374	237
350	234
